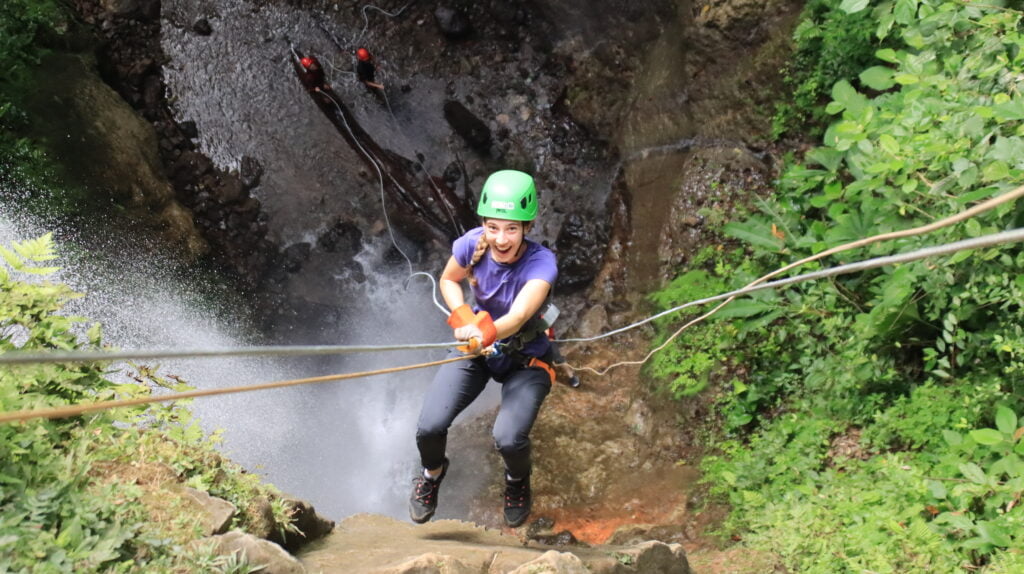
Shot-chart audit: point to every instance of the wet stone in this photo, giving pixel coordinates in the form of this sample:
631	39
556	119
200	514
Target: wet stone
452	23
202	27
250	170
189	129
468	125
577	245
342	237
295	255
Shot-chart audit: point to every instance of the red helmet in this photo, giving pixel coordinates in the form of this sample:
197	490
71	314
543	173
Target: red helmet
363	54
306	61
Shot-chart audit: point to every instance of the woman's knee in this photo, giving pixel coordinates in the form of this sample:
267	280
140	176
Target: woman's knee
510	441
426	430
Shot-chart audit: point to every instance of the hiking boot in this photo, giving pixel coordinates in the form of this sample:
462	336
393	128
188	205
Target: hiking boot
517	501
423	501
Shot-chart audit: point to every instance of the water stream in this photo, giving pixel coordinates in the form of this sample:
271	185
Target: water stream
345	446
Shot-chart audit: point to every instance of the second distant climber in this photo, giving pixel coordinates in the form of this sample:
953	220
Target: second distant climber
366	70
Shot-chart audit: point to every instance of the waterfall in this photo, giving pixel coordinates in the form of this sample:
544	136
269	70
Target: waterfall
346	446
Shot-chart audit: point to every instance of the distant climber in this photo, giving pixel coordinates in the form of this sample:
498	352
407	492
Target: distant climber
366	70
312	75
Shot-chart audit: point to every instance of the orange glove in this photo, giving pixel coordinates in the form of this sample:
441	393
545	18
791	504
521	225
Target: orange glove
461	315
488	332
487	328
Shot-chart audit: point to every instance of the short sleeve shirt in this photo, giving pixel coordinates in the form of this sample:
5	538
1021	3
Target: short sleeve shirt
499	283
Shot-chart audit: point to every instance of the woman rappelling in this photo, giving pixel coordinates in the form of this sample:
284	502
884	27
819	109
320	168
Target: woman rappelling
510	277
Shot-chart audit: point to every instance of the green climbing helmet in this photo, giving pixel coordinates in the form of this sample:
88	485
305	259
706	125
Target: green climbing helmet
508	194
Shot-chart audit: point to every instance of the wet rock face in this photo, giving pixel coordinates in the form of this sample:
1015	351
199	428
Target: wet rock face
114	151
220	202
343	238
453	23
578	246
466	124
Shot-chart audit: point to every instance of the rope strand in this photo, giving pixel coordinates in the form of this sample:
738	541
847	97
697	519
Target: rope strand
73	410
26	357
920	230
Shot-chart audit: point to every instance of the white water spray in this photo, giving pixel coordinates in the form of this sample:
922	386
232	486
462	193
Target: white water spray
346	446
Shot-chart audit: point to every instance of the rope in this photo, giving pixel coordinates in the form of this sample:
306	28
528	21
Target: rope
73	410
946	249
25	357
433	291
963	215
990	240
366	20
380	176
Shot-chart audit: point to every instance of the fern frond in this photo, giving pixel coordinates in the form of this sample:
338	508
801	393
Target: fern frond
26	253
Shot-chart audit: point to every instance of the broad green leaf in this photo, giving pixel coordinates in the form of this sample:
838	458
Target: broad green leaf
889	144
973	473
995	172
1010	111
829	158
1007	149
988	437
745	308
847	95
878	78
834	108
952	438
906	79
905	11
853	6
754	234
887	55
1006	420
937	489
993	533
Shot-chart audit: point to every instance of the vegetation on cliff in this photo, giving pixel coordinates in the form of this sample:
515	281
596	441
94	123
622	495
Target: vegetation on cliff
101	492
22	25
870	422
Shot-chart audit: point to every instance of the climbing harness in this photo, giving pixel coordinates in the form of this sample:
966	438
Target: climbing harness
535	362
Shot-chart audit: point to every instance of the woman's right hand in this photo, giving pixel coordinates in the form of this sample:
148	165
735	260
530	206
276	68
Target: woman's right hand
467	332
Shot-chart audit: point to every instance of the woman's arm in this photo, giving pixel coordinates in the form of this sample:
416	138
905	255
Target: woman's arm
451	283
525	305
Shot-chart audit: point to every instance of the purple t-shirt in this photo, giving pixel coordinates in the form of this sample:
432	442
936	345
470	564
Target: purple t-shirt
499	283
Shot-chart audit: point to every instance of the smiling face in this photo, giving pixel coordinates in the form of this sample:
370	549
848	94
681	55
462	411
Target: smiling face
505	238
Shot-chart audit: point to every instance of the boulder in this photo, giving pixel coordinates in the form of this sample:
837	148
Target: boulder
553	562
217	512
452	23
431	563
311	526
271	558
468	126
578	241
251	171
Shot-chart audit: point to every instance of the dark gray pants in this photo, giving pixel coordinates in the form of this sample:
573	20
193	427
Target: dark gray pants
456	385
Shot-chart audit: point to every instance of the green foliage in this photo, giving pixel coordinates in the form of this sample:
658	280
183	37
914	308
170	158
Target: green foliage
27	29
921	362
21	23
62	506
829	45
